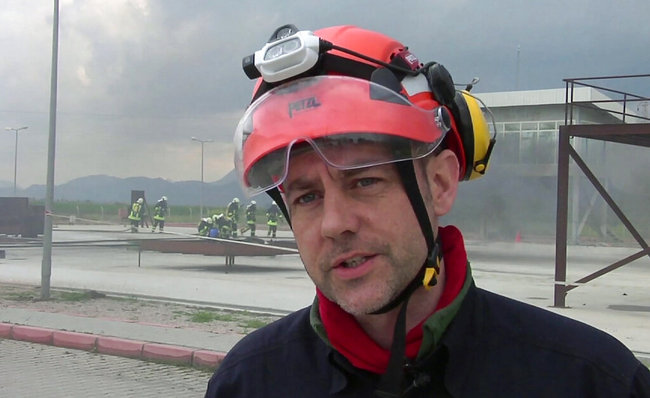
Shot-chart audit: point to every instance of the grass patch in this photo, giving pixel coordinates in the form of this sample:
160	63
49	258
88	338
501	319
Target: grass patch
202	317
209	316
129	300
57	295
20	296
79	296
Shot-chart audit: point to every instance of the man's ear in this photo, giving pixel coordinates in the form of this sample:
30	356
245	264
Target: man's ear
442	173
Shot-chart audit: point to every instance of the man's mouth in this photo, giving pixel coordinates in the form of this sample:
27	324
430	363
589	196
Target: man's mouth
354	262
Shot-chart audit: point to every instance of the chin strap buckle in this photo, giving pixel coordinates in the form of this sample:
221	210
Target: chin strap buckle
432	267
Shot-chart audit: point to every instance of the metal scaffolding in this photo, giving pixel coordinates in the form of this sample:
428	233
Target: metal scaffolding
633	129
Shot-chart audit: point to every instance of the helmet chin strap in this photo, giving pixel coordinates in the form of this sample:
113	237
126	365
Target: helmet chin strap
390	384
431	267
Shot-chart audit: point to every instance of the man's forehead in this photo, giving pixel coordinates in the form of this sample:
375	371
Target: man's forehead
301	161
305	160
342	154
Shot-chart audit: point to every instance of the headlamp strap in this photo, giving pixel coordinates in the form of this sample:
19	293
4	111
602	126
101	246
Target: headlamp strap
328	63
331	63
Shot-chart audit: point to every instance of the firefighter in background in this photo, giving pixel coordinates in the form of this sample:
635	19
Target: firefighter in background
251	216
232	212
144	216
205	225
159	212
223	224
136	214
272	216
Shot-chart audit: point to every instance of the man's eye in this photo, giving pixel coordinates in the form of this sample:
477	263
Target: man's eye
307	198
364	182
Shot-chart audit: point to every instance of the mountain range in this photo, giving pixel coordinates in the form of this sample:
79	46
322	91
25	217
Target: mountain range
108	189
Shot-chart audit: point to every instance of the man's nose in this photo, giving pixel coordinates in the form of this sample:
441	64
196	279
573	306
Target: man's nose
340	214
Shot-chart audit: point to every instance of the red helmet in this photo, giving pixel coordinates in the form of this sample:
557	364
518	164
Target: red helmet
340	102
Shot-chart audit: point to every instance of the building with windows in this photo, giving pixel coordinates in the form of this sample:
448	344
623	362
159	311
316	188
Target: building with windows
528	123
518	194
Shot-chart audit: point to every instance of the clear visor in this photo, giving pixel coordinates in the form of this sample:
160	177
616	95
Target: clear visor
350	123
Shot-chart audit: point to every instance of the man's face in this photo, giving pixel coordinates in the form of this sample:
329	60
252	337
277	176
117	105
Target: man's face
356	231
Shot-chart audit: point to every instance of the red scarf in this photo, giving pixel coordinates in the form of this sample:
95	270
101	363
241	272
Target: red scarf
347	336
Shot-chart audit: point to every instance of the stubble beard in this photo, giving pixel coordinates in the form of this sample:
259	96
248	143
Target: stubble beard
370	293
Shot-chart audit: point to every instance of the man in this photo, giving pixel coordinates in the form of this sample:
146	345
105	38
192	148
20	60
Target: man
223	224
232	212
251	216
159	213
363	147
136	214
205	225
273	214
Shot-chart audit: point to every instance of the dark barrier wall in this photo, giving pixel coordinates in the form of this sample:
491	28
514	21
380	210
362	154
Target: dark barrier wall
17	217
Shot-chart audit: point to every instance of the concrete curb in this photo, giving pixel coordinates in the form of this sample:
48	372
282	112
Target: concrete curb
203	359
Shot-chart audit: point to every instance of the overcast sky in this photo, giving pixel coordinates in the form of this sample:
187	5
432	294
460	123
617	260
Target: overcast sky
139	78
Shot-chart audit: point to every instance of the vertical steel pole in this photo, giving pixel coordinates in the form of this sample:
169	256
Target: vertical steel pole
201	194
202	178
15	160
561	218
46	265
15	130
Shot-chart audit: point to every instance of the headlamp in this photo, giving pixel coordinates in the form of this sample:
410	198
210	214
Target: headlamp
288	53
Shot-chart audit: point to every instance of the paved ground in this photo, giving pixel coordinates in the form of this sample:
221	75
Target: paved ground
37	370
618	303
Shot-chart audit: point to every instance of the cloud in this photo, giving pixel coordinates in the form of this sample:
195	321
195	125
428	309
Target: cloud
138	78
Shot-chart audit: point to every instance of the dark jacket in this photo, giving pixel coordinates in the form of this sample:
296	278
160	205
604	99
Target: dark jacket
495	347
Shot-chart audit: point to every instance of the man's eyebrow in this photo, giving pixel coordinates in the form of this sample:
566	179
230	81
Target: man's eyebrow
303	182
349	173
298	183
354	172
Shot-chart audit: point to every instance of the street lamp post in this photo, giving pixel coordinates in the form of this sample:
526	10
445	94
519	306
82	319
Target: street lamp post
202	143
15	130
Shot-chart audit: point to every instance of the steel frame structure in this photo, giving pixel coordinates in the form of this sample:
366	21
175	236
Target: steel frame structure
637	133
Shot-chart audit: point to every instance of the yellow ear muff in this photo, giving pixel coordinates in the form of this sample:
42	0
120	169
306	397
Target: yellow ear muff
482	142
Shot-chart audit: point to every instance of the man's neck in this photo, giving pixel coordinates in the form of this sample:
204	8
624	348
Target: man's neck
421	304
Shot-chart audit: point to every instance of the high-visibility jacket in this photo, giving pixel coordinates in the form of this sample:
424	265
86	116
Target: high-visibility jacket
204	226
233	211
272	215
160	211
136	212
251	215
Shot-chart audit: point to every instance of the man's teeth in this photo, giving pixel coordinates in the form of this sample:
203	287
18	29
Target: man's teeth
354	262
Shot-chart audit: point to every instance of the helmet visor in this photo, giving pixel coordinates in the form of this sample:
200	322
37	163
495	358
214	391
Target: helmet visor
351	123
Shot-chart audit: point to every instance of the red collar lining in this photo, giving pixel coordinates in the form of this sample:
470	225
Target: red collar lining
346	335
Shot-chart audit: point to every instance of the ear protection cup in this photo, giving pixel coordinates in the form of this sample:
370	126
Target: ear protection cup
463	119
483	140
474	134
441	83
